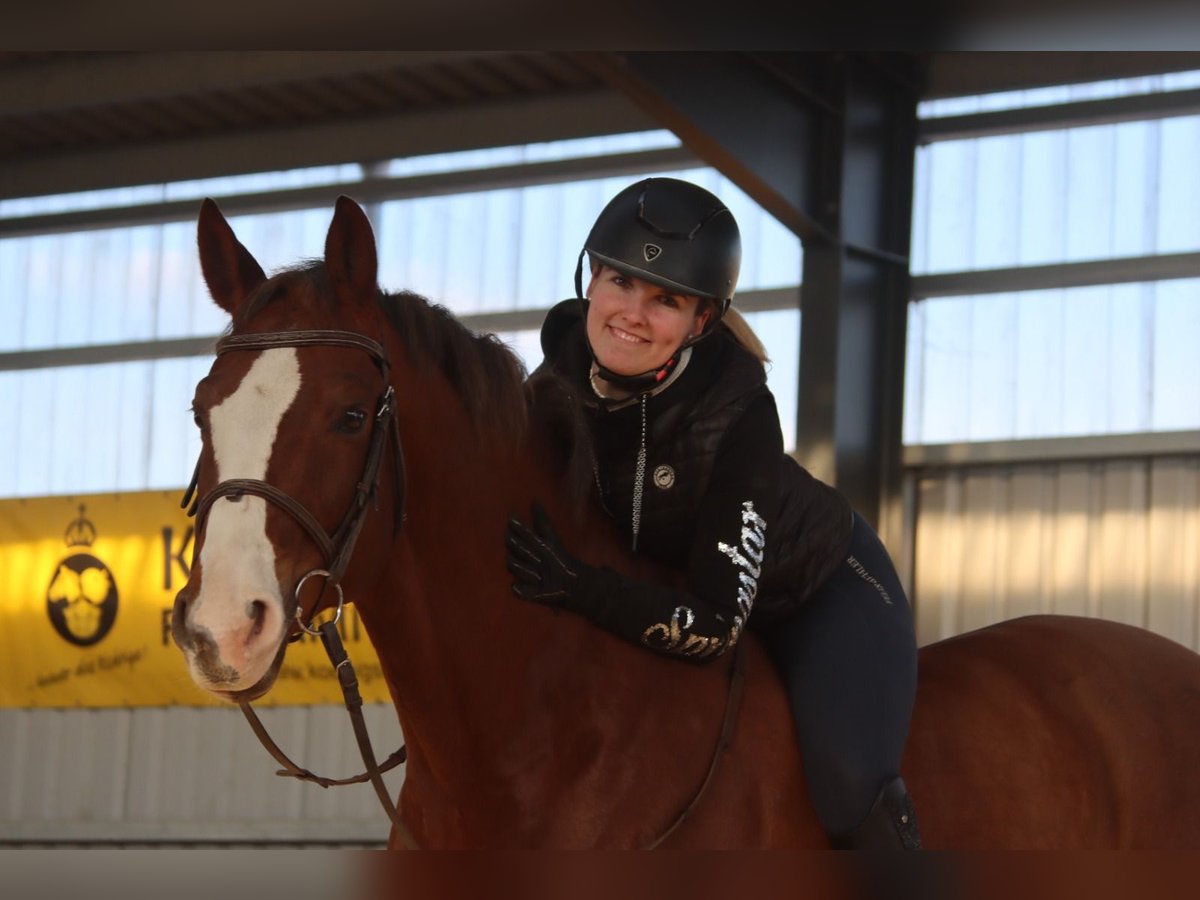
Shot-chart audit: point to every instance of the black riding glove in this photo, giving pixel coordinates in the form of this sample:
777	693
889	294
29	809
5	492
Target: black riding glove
665	619
543	571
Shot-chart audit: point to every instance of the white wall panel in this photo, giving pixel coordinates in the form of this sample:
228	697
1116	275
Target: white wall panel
186	774
1173	550
1115	539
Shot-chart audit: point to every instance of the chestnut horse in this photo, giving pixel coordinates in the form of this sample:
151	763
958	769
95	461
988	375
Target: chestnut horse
527	727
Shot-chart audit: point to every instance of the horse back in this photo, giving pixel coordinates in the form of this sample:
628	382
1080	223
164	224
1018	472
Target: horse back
1057	731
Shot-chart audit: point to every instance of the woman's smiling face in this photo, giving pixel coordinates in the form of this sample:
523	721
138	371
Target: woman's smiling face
634	326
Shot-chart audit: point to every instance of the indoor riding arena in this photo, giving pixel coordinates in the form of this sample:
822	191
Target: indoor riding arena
976	276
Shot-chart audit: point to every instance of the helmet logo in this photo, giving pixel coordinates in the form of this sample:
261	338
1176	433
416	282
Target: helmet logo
651	252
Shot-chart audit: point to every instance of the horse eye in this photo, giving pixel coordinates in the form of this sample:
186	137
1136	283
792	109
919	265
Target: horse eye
352	421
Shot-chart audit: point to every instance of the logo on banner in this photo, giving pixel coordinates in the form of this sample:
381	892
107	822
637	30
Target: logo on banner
82	598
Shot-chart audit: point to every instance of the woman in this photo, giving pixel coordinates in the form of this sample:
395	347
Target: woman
689	458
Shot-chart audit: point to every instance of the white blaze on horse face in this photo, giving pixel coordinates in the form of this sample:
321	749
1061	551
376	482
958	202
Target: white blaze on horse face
237	560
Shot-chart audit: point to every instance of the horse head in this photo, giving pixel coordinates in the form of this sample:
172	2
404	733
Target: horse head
294	419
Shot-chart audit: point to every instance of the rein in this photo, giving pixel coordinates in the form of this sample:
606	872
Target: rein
733	702
337	548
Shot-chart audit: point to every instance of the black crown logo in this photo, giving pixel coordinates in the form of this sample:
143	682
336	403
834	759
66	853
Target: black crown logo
81	532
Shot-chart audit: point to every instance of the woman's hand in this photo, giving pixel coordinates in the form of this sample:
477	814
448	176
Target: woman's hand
543	571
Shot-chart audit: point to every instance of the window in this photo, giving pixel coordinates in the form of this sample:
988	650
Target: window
1081	347
124	424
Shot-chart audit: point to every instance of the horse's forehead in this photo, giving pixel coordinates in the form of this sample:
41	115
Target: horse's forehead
223	378
287	302
245	425
294	300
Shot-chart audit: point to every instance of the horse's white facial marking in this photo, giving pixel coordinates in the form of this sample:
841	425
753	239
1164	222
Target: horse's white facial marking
237	560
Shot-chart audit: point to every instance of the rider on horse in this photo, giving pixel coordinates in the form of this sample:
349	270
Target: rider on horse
689	460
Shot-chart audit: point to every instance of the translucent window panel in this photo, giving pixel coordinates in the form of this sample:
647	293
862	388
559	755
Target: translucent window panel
475	252
517	248
1056	94
779	331
86	288
1175	360
1095	360
526	344
101	199
492	157
86	429
225	186
257	182
1099	192
132	284
1178	221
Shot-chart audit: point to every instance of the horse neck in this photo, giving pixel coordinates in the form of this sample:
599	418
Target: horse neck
448	629
490	688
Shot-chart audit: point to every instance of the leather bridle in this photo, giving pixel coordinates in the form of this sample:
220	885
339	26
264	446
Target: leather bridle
336	548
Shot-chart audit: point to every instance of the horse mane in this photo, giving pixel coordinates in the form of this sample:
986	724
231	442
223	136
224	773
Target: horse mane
555	407
491	380
483	371
487	376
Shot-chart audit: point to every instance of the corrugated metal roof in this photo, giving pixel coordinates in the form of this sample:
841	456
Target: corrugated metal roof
96	99
72	121
79	121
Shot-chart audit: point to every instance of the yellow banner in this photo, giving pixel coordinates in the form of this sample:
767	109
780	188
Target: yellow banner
86	589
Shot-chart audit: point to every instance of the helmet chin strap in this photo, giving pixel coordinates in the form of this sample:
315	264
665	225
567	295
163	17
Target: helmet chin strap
644	381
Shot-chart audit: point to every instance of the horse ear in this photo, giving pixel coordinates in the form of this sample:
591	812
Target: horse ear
350	256
230	272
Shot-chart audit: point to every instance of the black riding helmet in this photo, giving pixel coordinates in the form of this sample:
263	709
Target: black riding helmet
671	233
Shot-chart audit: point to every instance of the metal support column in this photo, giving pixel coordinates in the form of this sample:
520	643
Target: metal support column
855	288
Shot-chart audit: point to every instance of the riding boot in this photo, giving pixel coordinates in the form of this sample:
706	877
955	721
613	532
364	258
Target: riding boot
890	825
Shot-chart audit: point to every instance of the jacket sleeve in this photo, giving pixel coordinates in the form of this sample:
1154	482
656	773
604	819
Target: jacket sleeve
703	620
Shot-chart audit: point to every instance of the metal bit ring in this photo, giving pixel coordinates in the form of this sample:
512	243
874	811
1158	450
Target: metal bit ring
299	611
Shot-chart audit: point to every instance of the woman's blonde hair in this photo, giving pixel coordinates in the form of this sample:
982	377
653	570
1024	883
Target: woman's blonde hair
745	335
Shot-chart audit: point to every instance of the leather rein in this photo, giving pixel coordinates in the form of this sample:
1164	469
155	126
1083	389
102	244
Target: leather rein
337	549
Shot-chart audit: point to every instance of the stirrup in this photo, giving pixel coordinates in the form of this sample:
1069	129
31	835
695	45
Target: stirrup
890	825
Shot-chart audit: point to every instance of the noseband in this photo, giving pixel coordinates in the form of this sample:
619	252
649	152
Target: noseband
336	548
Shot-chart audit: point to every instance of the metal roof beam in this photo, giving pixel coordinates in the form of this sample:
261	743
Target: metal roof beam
757	127
765	300
1122	270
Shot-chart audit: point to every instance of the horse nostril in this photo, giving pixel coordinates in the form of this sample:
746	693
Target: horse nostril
256	611
179	629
